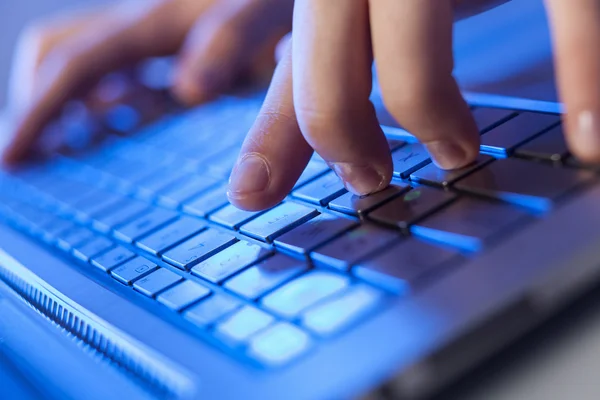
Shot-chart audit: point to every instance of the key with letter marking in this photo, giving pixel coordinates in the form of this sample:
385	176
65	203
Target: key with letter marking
133	270
183	295
412	206
408	159
229	261
277	221
399	267
263	277
313	233
171	235
321	190
198	248
353	246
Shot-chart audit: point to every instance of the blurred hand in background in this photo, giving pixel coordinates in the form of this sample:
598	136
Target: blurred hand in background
217	43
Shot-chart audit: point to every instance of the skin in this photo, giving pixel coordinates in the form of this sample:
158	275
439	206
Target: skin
319	96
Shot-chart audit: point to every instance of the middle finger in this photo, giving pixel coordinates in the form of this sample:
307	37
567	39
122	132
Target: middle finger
332	83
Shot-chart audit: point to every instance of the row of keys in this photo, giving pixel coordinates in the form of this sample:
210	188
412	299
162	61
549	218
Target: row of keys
305	299
321	300
232	321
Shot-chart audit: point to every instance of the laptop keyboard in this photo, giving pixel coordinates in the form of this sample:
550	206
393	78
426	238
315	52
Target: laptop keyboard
149	210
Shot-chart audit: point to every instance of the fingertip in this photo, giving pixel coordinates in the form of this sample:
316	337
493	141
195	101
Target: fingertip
450	154
250	183
363	179
254	202
584	136
191	92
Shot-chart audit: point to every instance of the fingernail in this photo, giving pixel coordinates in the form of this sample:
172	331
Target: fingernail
587	136
359	179
250	175
447	155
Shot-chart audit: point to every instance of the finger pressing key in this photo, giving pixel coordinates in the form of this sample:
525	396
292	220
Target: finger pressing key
412	43
274	153
332	83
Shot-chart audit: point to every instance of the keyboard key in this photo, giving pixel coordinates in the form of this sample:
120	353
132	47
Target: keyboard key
408	159
528	184
232	217
112	258
336	314
279	344
133	270
266	276
242	324
208	311
157	281
468	223
352	204
74	237
158	183
412	206
143	225
208	202
183	295
549	146
504	138
171	235
99	202
301	293
120	214
221	165
92	248
55	228
488	118
69	193
321	190
353	246
33	219
399	268
174	197
433	175
230	261
313	170
313	233
198	248
277	221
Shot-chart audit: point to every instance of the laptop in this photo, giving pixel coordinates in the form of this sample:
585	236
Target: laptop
125	273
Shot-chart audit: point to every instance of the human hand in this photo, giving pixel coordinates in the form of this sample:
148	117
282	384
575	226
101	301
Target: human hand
216	42
319	96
